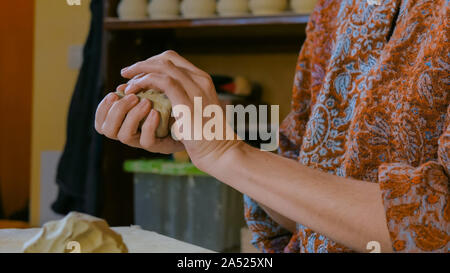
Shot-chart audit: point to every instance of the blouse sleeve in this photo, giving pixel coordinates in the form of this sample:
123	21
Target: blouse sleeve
310	74
268	236
417	201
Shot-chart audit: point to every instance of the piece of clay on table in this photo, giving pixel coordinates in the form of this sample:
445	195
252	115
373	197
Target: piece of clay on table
90	234
160	103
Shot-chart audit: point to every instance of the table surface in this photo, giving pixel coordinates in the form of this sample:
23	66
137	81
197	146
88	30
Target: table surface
136	239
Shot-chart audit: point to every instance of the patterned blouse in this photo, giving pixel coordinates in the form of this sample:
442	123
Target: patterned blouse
371	101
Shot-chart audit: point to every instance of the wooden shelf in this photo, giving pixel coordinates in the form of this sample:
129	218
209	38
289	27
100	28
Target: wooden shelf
113	23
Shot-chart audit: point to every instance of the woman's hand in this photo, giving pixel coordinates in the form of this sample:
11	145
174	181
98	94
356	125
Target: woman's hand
181	81
120	119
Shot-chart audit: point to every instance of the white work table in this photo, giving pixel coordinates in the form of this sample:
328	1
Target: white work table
136	239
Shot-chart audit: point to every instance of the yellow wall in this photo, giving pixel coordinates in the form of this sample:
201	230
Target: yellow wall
57	26
275	72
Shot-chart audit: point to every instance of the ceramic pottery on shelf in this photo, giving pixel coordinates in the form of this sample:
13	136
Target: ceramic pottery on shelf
198	8
164	9
303	6
232	7
132	9
267	7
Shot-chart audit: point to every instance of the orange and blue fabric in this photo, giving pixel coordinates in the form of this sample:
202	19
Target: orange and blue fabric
371	102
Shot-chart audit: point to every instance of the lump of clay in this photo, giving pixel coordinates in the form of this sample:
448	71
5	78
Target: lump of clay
160	103
91	234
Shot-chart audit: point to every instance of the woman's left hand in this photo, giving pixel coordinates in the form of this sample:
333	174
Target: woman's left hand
182	82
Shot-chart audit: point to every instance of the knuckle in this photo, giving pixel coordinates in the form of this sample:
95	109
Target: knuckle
204	75
145	143
206	82
163	62
208	78
109	133
169	53
124	138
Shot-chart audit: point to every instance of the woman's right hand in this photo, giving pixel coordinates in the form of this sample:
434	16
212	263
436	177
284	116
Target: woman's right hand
119	119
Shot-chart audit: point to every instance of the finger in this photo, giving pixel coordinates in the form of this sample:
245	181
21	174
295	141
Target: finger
150	142
128	133
103	109
203	81
166	67
177	95
148	131
200	77
139	76
121	88
179	61
170	55
117	114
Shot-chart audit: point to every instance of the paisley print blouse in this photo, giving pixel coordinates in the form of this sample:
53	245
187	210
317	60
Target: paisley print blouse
371	101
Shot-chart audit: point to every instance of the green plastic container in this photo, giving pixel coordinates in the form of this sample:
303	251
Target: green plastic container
180	201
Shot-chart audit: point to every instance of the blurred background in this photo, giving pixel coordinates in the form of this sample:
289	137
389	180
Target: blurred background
58	58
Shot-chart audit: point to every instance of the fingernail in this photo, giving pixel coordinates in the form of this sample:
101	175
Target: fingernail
124	69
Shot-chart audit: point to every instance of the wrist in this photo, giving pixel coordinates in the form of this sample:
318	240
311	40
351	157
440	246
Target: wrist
223	158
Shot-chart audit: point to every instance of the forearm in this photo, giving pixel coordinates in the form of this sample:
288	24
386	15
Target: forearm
280	219
348	211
